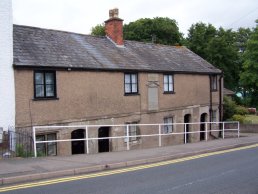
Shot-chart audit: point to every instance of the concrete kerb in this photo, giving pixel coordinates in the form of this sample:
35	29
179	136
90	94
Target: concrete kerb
98	168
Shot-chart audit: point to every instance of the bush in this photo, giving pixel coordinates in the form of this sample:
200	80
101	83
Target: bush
240	110
22	152
239	118
229	107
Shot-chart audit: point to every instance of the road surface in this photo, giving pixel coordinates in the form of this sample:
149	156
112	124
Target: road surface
232	172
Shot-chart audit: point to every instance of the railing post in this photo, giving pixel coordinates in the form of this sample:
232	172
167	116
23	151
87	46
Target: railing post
223	130
238	130
185	132
159	135
206	132
34	142
87	139
127	137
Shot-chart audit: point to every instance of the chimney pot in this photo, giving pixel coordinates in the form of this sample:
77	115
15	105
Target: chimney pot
113	13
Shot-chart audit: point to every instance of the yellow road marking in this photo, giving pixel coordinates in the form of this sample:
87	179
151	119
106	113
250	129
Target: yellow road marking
112	172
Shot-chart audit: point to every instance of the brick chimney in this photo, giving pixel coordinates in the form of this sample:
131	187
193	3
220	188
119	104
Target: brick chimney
114	27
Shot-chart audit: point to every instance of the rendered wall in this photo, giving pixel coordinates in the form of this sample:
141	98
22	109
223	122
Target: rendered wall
7	95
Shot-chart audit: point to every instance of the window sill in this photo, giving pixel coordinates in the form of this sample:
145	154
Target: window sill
134	142
41	99
169	92
131	94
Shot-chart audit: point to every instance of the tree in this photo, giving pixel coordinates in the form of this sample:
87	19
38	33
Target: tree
98	30
199	36
249	76
223	53
242	36
217	47
159	30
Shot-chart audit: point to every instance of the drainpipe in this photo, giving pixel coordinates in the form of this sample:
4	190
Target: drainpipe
210	109
220	102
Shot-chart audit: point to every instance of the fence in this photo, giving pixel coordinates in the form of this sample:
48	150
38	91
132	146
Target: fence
15	144
157	131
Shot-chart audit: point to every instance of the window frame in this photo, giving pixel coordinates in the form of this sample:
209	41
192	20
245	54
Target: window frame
214	83
133	132
131	84
170	128
46	145
172	91
44	72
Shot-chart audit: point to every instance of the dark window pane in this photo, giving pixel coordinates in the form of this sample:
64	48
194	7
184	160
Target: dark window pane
39	90
127	79
127	88
39	78
51	146
134	88
50	91
41	147
49	78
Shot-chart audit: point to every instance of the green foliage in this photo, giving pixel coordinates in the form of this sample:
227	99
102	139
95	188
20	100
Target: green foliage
229	108
249	75
98	30
251	119
242	36
218	46
239	118
22	152
199	36
41	154
160	30
240	110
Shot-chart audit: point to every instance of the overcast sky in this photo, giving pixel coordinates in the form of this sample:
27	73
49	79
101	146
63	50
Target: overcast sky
81	15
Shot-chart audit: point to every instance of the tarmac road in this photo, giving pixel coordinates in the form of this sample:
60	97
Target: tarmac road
226	172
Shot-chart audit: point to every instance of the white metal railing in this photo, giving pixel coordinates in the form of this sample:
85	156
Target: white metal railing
127	136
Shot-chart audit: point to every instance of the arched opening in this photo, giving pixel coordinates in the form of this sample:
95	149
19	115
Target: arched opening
203	118
187	119
78	147
103	143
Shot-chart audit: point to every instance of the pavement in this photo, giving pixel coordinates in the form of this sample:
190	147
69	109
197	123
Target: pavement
18	170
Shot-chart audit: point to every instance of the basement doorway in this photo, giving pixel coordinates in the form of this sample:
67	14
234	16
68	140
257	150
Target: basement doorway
187	119
103	143
202	126
78	147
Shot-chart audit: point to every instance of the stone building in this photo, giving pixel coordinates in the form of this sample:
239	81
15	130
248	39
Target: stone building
65	78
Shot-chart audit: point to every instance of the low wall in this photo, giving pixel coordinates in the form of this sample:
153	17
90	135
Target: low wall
249	128
244	128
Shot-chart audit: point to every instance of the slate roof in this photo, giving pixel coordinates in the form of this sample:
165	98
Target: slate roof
37	47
